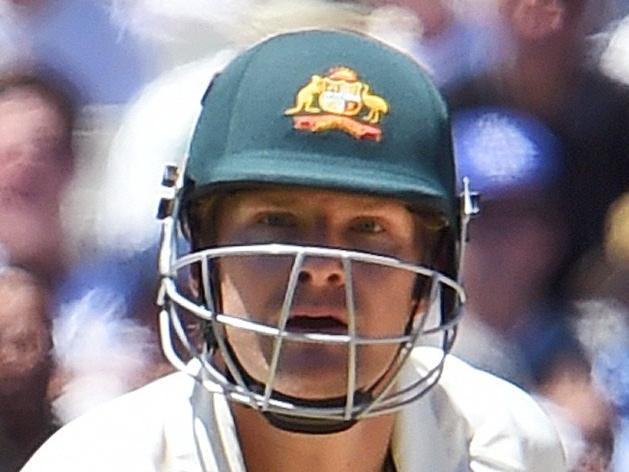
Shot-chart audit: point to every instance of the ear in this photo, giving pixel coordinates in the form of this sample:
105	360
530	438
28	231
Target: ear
538	19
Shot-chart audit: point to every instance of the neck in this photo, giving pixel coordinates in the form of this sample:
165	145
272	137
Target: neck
361	448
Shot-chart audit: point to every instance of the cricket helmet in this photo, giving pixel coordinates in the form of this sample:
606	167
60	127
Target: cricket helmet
326	110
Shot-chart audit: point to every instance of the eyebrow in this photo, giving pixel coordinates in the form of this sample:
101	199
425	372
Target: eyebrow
278	199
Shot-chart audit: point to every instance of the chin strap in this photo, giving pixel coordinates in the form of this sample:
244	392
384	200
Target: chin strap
294	424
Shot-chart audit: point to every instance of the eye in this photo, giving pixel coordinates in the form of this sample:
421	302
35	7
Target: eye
279	219
367	225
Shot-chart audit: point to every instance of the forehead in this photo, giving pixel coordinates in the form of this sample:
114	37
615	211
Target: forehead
313	198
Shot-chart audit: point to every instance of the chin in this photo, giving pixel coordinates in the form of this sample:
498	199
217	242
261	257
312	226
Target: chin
314	388
309	371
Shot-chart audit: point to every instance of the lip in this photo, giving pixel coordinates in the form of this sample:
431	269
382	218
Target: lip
319	311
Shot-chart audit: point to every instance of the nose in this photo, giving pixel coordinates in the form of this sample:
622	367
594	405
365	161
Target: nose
322	272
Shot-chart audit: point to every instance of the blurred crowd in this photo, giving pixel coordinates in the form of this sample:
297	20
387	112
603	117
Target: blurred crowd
95	96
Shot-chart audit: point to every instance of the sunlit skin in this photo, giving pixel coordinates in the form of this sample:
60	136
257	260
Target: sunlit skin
254	287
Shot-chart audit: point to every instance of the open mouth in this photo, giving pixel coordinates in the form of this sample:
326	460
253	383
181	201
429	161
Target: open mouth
318	324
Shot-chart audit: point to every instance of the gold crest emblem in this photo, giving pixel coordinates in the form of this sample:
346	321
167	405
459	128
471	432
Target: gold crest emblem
339	100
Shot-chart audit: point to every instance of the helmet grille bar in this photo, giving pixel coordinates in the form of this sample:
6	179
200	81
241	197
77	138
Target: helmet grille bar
390	396
351	328
286	306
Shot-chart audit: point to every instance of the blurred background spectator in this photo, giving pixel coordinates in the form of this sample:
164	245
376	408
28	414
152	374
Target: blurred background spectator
441	30
516	244
102	346
512	326
37	118
552	75
602	279
25	366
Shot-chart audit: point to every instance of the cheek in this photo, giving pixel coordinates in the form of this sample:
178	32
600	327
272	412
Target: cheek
384	300
253	286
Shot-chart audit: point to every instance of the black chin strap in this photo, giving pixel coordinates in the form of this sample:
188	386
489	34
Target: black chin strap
302	425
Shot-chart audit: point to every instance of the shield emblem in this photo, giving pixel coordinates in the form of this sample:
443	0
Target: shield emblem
341	97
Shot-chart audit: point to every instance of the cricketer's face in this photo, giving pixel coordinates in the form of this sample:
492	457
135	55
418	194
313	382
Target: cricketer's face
254	287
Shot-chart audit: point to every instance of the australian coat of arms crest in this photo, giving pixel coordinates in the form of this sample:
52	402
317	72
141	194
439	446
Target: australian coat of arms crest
340	101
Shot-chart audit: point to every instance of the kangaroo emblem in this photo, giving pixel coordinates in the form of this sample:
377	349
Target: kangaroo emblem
377	106
307	95
340	101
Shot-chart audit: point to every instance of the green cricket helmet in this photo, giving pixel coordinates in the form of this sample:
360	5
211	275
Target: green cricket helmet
331	110
317	109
